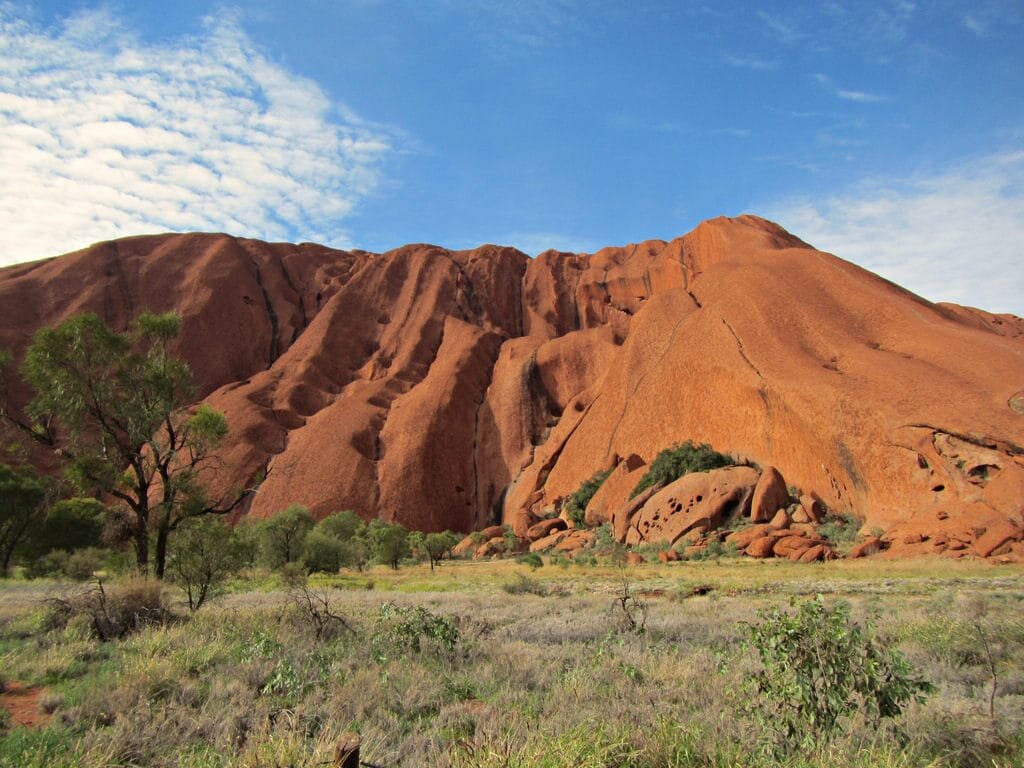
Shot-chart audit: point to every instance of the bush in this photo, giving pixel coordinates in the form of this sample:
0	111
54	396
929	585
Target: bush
576	504
840	530
205	552
113	611
679	460
401	630
282	537
323	553
818	669
532	559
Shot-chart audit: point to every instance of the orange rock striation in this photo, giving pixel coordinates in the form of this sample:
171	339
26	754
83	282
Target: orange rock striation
461	389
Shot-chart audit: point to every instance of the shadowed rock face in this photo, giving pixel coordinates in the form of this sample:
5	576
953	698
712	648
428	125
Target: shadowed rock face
456	389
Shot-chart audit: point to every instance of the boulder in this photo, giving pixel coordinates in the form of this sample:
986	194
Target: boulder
770	495
761	548
699	498
786	546
997	536
668	556
742	538
635	558
575	541
614	491
781	520
812	507
545	528
623	515
548	541
467	545
490	547
813	554
870	546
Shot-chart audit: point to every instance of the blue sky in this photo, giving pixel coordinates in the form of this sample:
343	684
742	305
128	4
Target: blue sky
890	133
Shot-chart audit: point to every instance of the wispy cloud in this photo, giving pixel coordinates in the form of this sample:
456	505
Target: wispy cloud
861	97
846	94
751	62
954	236
102	136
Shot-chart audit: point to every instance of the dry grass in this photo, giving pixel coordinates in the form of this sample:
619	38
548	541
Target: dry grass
543	679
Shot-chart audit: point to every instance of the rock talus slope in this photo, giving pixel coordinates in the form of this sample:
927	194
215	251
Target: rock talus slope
458	389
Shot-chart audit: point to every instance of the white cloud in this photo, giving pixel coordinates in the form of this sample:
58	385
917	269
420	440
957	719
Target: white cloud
102	136
751	62
861	97
954	236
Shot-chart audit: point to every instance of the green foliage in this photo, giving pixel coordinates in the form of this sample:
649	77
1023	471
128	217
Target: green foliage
437	545
818	669
389	542
400	630
69	524
323	553
281	537
112	404
341	525
79	565
840	530
577	502
681	459
113	610
340	539
204	554
532	559
23	495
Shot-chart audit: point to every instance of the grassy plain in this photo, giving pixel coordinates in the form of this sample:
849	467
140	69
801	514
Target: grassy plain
546	671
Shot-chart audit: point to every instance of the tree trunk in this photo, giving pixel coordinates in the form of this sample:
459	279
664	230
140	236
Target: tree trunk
162	534
142	547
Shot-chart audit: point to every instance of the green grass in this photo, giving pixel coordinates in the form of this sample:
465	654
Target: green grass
539	677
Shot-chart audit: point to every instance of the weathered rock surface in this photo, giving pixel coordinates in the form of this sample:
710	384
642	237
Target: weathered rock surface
458	389
705	499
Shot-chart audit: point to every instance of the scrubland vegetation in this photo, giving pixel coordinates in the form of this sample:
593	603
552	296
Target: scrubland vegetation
498	663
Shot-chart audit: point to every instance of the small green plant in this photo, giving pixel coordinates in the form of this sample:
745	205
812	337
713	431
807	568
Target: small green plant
818	670
840	530
531	559
401	630
679	460
576	504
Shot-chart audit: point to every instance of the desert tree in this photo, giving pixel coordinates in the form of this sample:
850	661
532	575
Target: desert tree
113	406
204	554
282	537
23	501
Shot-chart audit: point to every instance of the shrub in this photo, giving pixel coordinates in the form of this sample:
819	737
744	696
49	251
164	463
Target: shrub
113	611
400	630
205	552
817	669
282	537
323	553
840	530
389	542
679	460
531	559
576	504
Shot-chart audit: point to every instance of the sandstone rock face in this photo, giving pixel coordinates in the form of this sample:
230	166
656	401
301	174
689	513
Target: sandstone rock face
698	499
460	389
770	496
